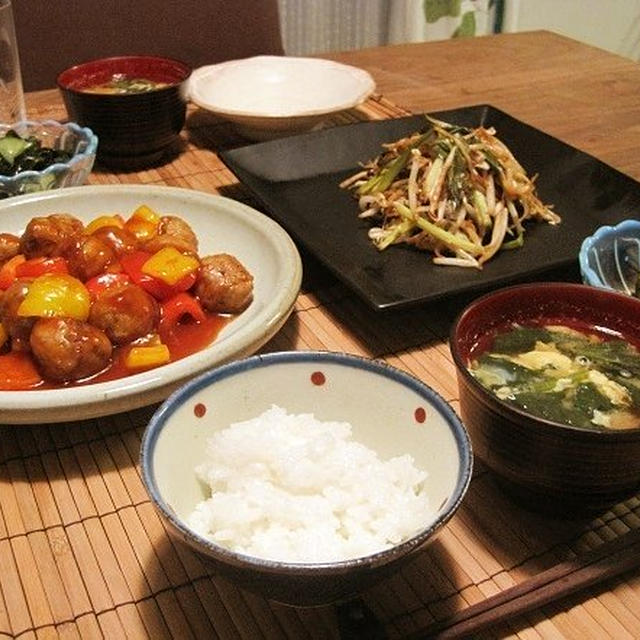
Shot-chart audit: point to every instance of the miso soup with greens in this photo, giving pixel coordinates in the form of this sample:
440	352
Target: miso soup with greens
120	83
561	374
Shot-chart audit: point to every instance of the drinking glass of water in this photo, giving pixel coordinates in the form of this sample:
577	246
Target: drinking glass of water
12	108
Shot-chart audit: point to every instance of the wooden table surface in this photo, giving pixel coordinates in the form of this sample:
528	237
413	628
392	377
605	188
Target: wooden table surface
578	93
82	553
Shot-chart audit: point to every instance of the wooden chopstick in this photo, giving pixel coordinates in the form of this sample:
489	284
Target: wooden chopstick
608	560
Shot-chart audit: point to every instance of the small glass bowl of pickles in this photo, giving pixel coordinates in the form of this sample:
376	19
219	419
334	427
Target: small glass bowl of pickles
610	258
42	155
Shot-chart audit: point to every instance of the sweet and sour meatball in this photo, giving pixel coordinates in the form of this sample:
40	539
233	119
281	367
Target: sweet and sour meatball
223	284
50	236
120	240
89	257
9	246
173	232
67	349
18	327
125	313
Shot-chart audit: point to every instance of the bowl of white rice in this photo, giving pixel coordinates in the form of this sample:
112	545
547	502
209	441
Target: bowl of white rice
306	476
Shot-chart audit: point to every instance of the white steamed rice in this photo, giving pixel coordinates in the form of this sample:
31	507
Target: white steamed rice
292	488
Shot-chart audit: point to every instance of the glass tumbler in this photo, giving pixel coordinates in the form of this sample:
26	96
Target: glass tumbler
12	107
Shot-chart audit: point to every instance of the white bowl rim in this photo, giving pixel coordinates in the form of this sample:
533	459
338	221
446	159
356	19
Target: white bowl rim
164	412
270	318
364	83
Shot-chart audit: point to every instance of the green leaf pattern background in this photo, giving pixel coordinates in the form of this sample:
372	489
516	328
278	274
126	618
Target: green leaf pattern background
459	15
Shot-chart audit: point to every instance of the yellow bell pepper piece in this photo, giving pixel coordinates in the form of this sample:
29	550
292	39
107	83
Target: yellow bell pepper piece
104	221
170	265
56	294
143	223
145	212
147	356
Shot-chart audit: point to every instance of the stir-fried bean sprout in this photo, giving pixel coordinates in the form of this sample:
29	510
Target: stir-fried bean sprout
456	192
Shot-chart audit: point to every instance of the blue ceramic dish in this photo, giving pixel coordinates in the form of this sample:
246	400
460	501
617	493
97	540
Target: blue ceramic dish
610	258
80	141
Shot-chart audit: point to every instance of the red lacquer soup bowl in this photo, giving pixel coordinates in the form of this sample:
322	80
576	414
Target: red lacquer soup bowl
138	124
544	464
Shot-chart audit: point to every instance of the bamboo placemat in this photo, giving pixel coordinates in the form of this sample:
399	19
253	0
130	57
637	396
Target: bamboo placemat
84	555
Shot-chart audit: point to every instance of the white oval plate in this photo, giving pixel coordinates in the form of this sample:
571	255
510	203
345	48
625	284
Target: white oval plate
222	225
267	96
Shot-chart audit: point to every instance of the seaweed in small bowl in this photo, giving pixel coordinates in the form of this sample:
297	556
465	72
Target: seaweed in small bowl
43	155
18	154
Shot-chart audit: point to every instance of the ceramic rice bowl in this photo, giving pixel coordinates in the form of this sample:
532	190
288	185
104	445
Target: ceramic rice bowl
391	412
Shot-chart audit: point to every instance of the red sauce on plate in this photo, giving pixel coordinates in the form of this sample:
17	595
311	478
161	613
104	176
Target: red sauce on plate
19	373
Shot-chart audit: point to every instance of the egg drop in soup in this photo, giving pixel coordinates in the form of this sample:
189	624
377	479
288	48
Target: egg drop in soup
556	372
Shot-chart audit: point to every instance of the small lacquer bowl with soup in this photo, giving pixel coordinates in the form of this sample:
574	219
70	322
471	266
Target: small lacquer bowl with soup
549	378
306	476
136	105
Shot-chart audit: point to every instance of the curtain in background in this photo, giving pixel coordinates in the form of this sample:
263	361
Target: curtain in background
316	26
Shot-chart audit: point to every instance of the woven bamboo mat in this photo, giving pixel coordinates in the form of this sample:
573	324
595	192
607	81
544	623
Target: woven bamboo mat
84	555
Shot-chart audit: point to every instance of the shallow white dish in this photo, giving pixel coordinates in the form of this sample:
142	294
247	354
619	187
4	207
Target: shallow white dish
270	96
221	224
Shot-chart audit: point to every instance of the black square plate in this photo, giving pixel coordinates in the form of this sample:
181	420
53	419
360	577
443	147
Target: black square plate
297	180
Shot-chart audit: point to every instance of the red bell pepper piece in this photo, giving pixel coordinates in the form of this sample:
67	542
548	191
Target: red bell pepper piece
36	267
132	264
8	271
180	308
98	284
18	372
